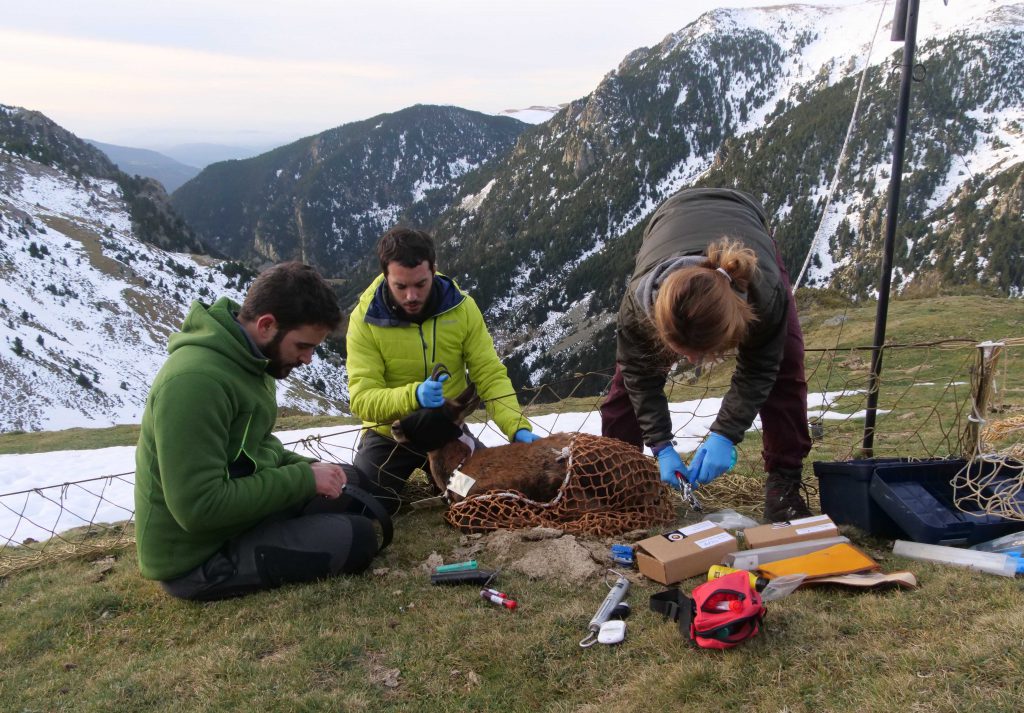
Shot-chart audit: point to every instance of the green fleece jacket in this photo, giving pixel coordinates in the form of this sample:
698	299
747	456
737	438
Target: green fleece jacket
208	467
388	358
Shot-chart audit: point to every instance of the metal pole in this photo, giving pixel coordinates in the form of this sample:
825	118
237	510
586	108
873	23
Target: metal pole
909	39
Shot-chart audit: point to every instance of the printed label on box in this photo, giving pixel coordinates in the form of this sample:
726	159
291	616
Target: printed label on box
801	521
460	483
683	532
809	520
697	527
817	528
713	540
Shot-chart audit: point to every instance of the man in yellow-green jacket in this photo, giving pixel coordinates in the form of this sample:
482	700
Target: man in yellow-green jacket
407	322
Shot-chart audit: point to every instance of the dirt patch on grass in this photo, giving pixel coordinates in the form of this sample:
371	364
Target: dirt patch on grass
545	553
539	553
563	559
380	674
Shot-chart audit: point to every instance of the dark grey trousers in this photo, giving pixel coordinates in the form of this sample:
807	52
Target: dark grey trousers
388	464
319	539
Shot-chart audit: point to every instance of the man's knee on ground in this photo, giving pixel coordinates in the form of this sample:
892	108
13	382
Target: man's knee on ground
363	547
283	565
348	543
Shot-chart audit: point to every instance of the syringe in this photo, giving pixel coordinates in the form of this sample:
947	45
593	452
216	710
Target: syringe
615	595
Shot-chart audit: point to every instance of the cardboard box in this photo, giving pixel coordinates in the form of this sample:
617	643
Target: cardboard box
783	533
683	553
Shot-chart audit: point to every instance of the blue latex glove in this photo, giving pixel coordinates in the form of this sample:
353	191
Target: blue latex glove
670	463
525	436
715	456
430	393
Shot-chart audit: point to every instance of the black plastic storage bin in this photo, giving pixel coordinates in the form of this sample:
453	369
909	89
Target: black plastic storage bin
919	497
844	489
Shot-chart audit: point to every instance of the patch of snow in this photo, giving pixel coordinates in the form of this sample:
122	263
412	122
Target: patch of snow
473	201
531	115
30	514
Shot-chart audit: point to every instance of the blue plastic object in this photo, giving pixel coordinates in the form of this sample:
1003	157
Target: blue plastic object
623	554
919	497
457	567
1020	561
843	489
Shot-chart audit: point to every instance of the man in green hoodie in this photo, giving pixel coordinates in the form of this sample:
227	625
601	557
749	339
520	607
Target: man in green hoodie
221	508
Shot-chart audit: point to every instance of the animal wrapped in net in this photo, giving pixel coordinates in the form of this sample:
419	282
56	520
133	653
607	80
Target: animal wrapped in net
609	488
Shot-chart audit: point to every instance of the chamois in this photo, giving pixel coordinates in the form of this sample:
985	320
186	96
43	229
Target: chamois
536	469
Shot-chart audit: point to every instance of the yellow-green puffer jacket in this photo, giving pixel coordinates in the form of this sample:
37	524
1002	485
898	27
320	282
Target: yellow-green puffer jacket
388	358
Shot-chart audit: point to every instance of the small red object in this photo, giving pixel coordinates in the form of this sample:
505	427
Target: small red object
733	605
498	598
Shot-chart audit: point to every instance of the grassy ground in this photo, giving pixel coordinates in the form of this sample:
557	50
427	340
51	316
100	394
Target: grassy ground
95	636
92	635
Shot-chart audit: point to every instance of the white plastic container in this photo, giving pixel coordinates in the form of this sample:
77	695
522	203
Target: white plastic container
752	559
990	562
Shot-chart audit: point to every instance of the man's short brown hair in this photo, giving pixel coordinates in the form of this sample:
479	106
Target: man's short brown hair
405	246
295	294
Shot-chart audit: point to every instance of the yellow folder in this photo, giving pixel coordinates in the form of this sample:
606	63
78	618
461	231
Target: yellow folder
843	558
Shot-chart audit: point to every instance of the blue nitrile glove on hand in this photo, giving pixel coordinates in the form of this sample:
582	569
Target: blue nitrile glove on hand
670	463
525	436
430	393
716	455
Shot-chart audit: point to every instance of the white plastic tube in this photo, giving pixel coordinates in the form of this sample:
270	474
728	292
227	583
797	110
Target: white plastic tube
752	559
991	562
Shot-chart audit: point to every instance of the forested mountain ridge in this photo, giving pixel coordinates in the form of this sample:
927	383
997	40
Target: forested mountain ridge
326	199
36	137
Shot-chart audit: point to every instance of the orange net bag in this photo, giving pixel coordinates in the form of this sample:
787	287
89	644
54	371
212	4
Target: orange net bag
609	489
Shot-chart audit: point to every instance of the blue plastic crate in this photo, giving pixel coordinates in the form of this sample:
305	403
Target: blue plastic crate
919	497
844	490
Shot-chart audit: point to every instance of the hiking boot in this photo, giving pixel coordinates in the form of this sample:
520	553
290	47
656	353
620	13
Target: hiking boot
782	498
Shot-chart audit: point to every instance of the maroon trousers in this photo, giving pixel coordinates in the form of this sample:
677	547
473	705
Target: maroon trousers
783	414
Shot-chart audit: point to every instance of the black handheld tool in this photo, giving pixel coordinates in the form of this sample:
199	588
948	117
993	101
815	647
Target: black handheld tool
466	576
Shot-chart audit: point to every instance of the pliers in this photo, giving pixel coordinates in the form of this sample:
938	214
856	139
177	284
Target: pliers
688	493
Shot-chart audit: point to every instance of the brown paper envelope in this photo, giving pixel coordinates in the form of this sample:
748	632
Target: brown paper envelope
868	580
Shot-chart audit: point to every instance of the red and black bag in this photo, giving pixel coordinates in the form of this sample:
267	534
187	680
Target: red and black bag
717	615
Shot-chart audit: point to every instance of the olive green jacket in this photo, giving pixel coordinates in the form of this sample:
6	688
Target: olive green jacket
686	224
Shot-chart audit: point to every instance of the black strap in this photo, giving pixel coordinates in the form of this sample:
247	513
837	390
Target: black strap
387	529
674	605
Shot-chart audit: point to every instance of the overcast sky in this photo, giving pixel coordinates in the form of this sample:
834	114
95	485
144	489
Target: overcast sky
255	72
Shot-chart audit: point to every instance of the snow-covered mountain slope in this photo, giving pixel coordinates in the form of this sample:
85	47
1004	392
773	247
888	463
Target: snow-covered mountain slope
758	99
86	308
